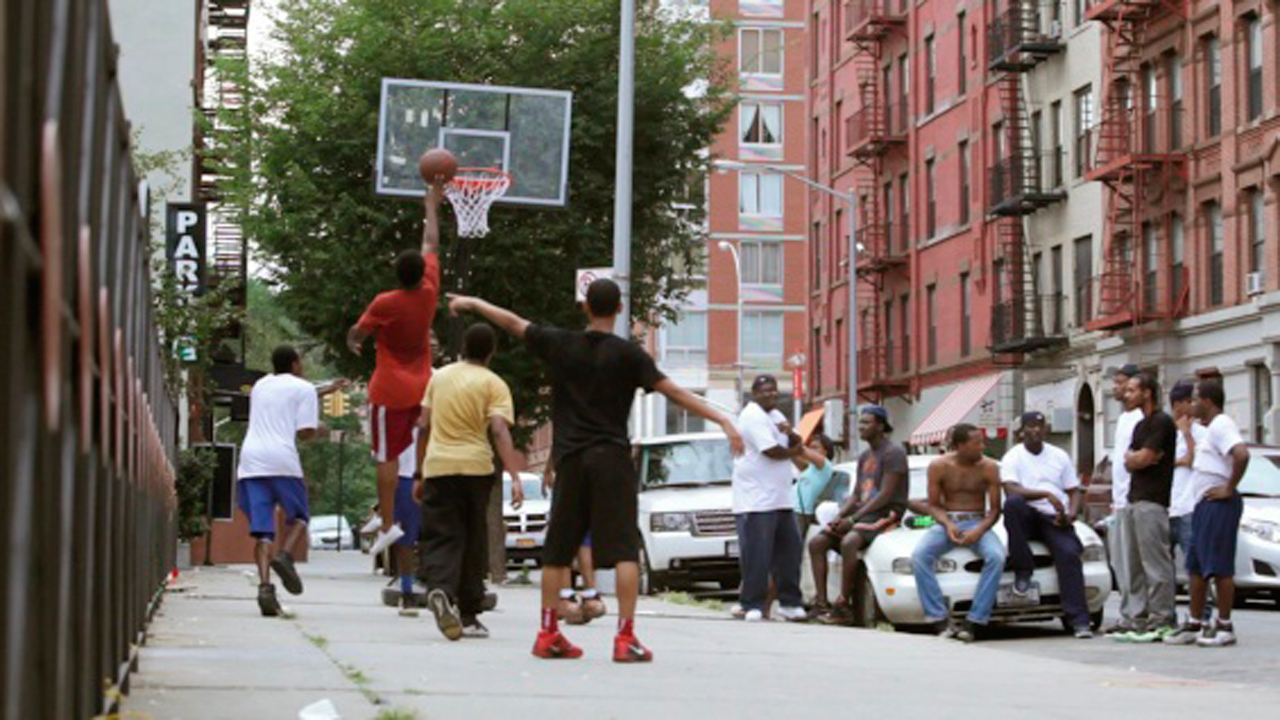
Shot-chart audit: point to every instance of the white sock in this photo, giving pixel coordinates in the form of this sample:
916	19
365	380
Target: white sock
566	594
590	593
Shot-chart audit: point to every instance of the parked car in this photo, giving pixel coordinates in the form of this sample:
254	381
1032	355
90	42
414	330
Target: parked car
1258	549
325	530
686	511
886	586
526	527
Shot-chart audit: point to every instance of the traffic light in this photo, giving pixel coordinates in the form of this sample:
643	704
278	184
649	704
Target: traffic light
335	404
326	404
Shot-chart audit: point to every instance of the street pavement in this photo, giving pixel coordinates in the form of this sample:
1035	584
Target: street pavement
209	655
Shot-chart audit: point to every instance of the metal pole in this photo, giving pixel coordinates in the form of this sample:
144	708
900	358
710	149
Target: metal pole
622	179
853	326
737	274
342	454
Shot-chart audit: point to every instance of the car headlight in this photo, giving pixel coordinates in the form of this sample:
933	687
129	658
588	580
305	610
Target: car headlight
904	566
1263	529
1093	553
671	522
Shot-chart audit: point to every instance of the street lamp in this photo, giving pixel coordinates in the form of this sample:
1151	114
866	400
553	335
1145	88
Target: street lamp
849	199
737	272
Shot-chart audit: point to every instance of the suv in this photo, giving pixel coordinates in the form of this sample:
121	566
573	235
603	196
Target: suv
686	511
526	528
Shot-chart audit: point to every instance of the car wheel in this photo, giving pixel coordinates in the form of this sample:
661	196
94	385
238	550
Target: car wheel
866	609
650	582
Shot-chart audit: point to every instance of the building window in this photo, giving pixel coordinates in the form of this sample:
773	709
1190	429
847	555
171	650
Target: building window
681	421
1212	83
762	336
888	336
815	383
1083	248
890	227
930	195
1217	267
1056	136
904	309
1257	230
904	212
894	118
1150	267
1055	287
1037	135
684	343
1261	402
842	349
815	251
962	61
760	51
814	49
760	123
1151	103
1173	70
964	315
760	194
1253	31
964	182
904	74
1084	123
1077	11
931	71
931	310
761	263
1177	255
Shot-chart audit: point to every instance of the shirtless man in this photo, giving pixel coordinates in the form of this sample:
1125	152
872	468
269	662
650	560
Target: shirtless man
964	497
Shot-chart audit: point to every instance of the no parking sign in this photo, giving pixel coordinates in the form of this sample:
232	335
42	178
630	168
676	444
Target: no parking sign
586	276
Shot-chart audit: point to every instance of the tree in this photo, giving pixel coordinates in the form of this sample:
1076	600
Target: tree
309	208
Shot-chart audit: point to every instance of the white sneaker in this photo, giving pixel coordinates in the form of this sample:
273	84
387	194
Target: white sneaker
385	539
374	525
793	614
754	616
737	611
1218	636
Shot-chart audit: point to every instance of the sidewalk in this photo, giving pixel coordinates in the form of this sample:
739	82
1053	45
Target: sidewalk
209	655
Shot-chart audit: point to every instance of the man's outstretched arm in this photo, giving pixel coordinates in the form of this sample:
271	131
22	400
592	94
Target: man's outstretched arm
695	405
431	226
503	318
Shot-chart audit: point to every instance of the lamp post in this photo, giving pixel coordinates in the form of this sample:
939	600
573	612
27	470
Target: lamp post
737	272
849	200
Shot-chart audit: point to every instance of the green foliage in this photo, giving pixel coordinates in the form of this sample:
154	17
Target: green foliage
195	471
313	118
321	462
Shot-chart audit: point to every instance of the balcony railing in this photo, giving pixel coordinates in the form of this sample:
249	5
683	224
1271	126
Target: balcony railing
1015	187
1026	324
870	18
1015	41
1133	136
873	127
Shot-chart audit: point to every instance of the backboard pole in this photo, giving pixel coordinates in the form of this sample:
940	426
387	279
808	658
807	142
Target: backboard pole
622	181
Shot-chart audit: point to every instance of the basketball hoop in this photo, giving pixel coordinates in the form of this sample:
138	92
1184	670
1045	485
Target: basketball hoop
471	192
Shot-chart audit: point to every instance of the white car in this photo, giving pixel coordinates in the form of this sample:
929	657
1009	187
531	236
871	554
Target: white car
686	511
886	590
1258	547
526	527
326	530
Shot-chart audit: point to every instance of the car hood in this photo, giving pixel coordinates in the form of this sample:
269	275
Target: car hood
1268	509
902	542
530	507
687	499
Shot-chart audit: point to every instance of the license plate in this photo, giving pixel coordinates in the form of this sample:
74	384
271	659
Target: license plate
731	548
1006	598
525	542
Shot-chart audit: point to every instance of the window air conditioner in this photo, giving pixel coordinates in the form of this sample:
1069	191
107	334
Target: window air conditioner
1255	283
1055	29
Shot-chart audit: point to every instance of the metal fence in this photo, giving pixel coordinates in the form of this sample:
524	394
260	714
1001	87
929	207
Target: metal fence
87	433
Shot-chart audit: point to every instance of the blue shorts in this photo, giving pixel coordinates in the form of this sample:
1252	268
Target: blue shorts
408	513
1215	528
258	497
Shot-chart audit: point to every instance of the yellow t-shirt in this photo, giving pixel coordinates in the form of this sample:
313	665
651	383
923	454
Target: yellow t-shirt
462	398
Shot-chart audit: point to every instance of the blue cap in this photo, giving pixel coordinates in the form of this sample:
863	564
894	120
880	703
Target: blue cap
1032	417
1181	390
878	412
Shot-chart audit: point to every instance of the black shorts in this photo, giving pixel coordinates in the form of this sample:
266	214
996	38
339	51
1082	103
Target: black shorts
595	491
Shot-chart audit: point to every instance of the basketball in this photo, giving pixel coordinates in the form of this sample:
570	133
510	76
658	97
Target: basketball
437	163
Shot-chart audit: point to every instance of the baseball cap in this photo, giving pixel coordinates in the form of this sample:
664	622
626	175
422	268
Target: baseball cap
1031	417
1128	370
1181	390
880	413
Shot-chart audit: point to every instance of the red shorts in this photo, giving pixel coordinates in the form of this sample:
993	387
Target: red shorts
392	431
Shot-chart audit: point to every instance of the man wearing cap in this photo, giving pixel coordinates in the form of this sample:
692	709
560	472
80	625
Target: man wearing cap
1182	500
1043	500
1122	546
878	501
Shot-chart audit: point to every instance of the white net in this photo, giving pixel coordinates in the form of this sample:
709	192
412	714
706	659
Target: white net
471	192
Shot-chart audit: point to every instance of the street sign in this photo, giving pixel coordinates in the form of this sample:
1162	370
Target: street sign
586	276
185	228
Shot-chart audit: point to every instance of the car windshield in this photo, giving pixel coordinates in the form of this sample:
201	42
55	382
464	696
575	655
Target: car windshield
689	462
532	488
1263	475
918	485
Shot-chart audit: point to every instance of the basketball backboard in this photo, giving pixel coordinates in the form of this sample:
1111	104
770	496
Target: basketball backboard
523	131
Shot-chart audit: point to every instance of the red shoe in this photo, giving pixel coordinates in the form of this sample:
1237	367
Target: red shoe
554	646
627	649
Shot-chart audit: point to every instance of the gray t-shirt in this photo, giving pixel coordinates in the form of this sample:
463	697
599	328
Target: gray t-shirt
872	466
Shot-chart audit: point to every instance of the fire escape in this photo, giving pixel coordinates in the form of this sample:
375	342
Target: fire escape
222	105
1016	45
873	132
1137	158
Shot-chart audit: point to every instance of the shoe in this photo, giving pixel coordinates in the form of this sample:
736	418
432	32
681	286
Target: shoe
839	614
282	563
267	601
593	608
408	608
754	616
1152	635
627	649
385	539
964	632
475	630
374	525
554	646
1083	632
945	629
738	612
446	614
1021	584
793	614
570	611
1185	635
1218	636
1118	628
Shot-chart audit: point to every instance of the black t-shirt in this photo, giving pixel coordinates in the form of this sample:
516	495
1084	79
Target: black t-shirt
594	377
1156	432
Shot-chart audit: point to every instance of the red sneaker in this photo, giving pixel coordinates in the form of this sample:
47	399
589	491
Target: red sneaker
554	646
627	649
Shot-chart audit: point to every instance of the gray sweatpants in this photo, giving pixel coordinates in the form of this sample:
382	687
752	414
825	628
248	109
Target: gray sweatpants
1151	535
1122	547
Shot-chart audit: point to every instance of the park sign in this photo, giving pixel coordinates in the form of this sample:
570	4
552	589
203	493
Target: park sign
586	276
185	230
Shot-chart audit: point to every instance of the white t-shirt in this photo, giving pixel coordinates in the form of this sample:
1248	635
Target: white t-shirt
1182	500
279	406
761	483
1213	464
1051	470
1125	426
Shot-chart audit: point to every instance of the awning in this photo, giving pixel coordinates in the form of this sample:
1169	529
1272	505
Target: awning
809	423
953	409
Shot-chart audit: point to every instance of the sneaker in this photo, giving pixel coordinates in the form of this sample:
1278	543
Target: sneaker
594	608
1083	632
793	614
1021	584
754	616
408	608
385	539
554	646
267	601
1118	628
374	525
446	614
570	611
1152	635
839	614
1218	636
945	629
627	649
282	563
474	630
964	632
1185	635
738	612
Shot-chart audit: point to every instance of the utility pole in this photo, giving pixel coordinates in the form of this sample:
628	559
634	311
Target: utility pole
622	178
